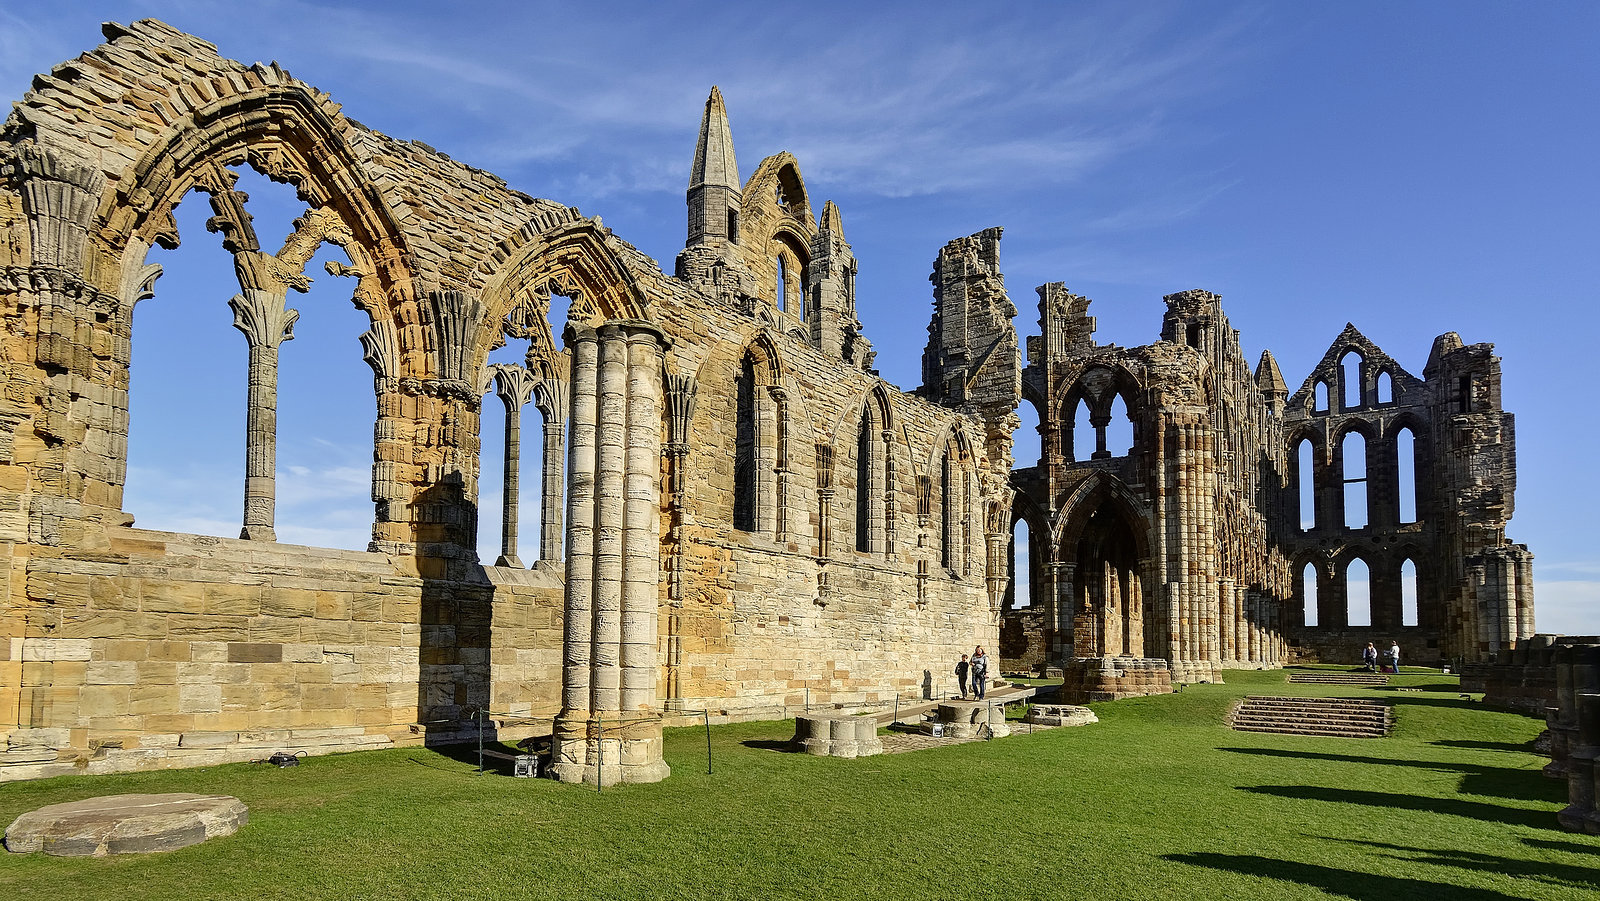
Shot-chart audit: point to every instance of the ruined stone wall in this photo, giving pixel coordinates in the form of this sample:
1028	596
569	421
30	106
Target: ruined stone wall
125	648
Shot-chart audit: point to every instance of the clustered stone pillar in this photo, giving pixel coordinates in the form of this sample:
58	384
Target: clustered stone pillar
609	729
265	320
551	397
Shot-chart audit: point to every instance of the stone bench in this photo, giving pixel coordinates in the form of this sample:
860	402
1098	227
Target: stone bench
832	735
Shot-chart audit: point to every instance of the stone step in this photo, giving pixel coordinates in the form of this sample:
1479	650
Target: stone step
1323	733
1346	717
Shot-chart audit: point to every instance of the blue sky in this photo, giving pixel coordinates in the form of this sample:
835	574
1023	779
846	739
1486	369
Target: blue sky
1412	168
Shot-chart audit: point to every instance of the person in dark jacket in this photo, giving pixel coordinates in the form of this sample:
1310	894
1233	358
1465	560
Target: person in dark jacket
979	670
1369	657
961	675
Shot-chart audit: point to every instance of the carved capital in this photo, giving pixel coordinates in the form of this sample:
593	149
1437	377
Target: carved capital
263	317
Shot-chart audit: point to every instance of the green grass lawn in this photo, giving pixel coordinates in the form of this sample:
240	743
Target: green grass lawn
1157	800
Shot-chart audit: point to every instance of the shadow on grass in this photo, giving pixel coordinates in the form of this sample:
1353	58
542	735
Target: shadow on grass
1525	747
1564	847
772	744
1514	783
1541	871
468	753
1474	810
1336	882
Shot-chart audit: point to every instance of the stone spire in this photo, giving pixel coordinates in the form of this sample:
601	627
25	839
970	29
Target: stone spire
1270	380
714	181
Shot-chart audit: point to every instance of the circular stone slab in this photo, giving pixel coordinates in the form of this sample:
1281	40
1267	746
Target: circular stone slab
125	824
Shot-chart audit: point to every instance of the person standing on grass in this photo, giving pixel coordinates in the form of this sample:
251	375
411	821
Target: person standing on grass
961	676
1369	657
980	670
1394	656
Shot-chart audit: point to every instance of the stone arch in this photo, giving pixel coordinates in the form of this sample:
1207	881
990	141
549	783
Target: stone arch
258	117
1086	497
1104	540
557	255
1097	385
1041	553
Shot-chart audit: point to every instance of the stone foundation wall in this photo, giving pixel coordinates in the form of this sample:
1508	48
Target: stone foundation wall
1418	646
176	650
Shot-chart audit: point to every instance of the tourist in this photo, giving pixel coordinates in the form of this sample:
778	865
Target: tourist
980	670
961	675
1370	658
1394	656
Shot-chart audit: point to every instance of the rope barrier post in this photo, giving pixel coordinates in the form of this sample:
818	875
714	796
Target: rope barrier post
599	753
707	712
478	715
808	699
897	706
988	721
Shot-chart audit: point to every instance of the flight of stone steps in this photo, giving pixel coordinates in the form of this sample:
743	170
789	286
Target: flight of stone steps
1336	717
1325	678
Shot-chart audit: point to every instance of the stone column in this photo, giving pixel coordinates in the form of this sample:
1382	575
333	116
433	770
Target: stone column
585	347
641	523
1226	613
513	385
266	323
609	730
553	400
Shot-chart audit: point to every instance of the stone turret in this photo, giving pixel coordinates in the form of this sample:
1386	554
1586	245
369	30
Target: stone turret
835	330
1270	380
714	181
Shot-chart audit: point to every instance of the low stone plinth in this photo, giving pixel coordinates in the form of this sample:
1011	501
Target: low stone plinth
1114	678
973	719
125	824
831	735
1060	715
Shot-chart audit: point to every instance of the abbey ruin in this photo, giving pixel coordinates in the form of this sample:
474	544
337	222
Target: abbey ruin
737	511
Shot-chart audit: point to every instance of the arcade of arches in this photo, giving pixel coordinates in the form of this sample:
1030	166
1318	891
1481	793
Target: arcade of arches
737	513
1368	505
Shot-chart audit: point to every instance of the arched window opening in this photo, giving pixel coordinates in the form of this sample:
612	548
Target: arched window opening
1021	567
515	452
1320	398
1408	594
1305	472
873	472
1385	388
1025	444
1357	593
781	296
184	471
1308	592
1355	480
744	447
1083	433
948	506
1119	431
1405	455
1350	381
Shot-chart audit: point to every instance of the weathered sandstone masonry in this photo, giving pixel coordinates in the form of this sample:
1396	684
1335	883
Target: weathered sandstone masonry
1226	535
752	516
